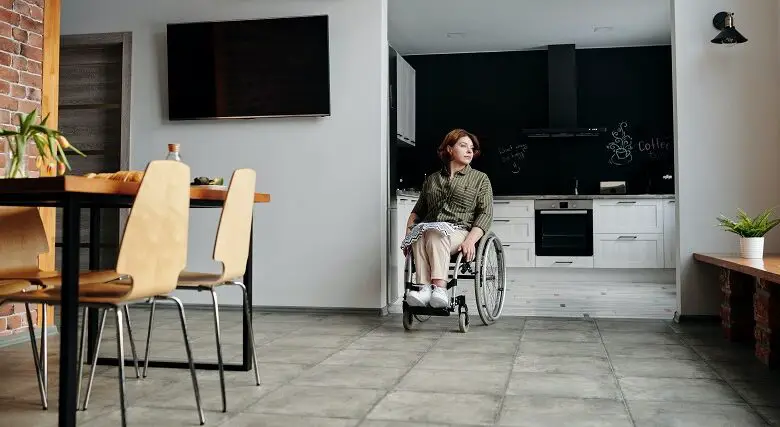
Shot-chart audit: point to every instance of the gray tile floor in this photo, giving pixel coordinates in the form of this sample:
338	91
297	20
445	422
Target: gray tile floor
338	370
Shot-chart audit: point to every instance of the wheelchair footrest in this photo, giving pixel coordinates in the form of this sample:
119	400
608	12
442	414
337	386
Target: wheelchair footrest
429	311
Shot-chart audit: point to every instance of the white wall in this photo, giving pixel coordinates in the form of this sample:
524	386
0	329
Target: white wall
727	148
322	239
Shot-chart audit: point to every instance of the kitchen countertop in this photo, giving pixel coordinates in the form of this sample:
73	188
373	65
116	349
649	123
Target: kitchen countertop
412	194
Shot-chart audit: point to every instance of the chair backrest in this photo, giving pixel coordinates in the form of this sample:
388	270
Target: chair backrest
231	247
154	245
22	239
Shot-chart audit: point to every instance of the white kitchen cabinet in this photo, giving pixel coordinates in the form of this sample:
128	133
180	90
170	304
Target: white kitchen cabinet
670	233
516	230
503	209
628	250
518	254
405	101
564	262
636	216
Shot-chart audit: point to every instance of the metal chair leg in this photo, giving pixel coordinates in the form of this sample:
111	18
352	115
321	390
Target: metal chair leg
132	341
38	373
149	336
219	350
201	417
44	351
120	348
82	349
251	329
95	359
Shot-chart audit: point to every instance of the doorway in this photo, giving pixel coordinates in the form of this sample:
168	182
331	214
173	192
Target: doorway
94	114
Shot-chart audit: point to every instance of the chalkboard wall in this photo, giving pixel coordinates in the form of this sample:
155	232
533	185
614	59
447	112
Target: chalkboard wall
496	95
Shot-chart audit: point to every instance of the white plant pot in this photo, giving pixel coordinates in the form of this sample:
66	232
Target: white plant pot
751	247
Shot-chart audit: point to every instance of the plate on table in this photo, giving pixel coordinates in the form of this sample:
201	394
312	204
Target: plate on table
211	187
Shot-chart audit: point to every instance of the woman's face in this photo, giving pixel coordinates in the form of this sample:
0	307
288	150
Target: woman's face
463	150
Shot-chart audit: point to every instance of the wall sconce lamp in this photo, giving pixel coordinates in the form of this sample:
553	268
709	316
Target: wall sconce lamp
724	21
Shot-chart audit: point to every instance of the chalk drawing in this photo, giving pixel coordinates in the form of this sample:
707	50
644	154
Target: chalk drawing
513	155
622	146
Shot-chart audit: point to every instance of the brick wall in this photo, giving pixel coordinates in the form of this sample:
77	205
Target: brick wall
21	55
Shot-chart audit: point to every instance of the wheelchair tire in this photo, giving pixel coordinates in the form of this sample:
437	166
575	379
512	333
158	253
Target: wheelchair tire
490	309
463	322
407	319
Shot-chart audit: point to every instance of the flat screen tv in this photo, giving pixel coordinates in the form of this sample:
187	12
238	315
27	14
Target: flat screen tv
249	68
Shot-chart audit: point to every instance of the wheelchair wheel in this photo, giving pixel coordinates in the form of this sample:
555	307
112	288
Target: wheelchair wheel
407	319
490	279
463	322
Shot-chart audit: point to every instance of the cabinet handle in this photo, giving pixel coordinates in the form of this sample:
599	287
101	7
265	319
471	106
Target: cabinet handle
627	202
506	246
564	262
627	238
671	202
501	220
500	203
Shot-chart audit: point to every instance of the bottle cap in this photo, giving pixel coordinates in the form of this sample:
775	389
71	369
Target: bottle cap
173	148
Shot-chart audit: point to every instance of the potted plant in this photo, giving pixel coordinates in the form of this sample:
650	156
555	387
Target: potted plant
750	230
50	144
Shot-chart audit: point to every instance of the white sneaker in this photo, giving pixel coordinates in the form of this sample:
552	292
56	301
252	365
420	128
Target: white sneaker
439	298
419	298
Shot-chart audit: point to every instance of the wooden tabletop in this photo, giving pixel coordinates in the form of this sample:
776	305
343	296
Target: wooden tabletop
80	184
767	268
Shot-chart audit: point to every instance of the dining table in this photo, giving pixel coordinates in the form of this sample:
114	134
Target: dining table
72	194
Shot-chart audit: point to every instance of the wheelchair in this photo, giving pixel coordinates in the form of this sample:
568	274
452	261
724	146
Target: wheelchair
489	274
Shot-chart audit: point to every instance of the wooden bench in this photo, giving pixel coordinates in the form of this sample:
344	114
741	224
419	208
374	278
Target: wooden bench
750	310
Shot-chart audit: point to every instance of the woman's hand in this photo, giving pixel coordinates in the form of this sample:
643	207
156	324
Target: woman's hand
468	249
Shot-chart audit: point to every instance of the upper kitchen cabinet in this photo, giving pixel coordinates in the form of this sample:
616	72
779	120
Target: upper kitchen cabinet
405	131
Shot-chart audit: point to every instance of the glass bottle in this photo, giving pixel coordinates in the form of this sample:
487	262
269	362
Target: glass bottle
173	153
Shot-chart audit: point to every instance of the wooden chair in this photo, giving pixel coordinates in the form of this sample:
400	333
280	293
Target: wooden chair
152	254
231	249
22	240
11	287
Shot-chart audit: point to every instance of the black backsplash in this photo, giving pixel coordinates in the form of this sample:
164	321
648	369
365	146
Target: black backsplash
496	95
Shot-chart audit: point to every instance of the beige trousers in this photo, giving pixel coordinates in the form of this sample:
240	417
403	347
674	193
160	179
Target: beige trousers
432	254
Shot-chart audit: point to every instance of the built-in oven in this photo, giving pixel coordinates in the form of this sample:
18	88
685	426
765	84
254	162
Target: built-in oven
564	227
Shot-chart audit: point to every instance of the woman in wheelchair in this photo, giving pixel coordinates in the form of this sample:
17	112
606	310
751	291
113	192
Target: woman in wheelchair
454	211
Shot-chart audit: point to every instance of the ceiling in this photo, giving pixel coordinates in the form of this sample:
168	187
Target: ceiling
452	26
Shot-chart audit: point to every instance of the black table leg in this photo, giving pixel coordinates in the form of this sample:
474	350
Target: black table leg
247	346
69	312
94	264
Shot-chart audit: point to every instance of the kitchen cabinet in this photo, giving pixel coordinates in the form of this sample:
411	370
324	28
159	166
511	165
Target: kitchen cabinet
519	255
628	251
513	223
670	233
628	216
405	102
520	230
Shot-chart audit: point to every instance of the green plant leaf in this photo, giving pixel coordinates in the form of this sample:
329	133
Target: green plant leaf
747	226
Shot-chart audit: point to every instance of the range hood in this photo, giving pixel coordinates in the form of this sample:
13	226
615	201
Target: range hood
562	96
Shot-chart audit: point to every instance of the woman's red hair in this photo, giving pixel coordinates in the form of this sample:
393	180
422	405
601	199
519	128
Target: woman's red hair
451	138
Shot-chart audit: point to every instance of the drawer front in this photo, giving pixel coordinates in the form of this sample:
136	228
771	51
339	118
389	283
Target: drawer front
513	209
628	216
628	250
564	262
514	229
519	255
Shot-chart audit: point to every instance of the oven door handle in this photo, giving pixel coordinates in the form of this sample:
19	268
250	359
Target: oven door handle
567	212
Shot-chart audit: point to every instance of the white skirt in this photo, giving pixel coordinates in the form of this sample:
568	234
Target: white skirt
418	230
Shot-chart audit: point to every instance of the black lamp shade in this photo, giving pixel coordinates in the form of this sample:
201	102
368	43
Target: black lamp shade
724	21
729	35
